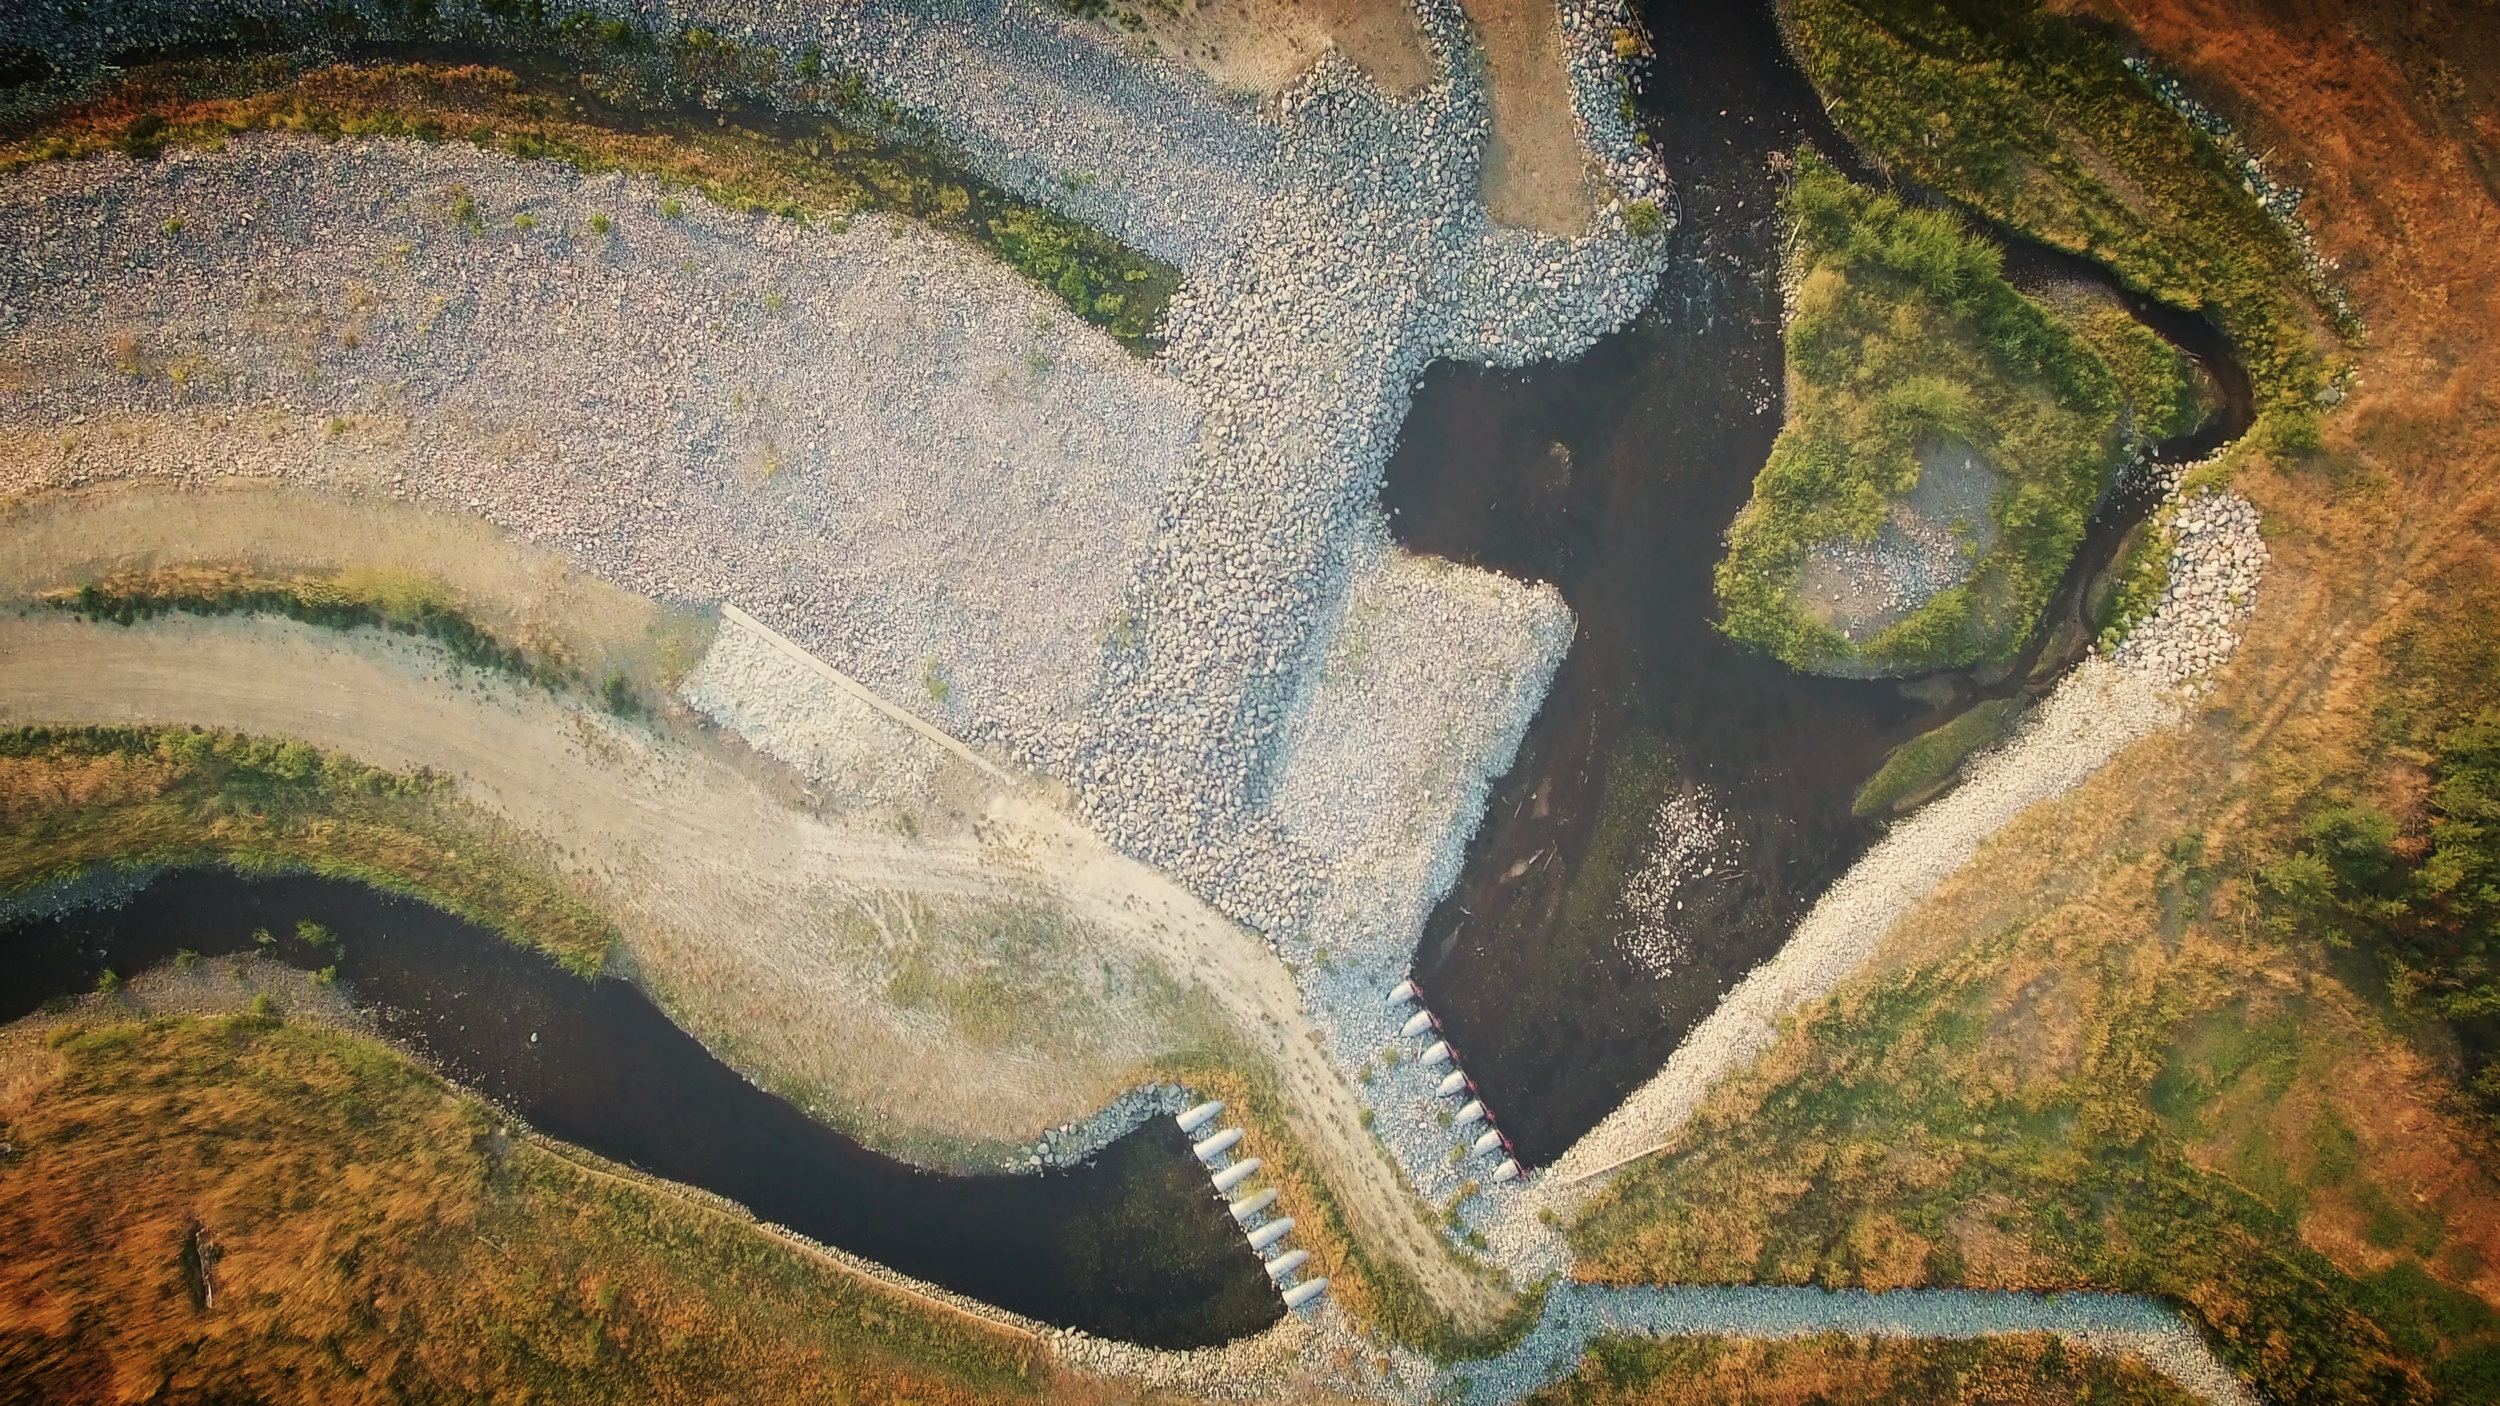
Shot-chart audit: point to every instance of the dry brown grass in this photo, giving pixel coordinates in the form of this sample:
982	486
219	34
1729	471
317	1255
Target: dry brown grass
2101	1012
373	1236
1843	1371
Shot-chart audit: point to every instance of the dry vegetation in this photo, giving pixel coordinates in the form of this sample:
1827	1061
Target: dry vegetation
1374	1287
244	1209
2114	1052
71	798
1836	1370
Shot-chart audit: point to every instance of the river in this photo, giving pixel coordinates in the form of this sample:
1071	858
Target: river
1614	477
1133	1245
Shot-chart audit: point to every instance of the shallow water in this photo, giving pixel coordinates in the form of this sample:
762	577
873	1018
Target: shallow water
1563	974
1134	1245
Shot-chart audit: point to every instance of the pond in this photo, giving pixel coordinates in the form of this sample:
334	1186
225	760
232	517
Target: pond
1133	1246
1563	973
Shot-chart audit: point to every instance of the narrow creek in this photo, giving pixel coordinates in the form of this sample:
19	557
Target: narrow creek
1132	1246
1563	974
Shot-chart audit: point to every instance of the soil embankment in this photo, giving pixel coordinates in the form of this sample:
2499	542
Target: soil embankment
720	890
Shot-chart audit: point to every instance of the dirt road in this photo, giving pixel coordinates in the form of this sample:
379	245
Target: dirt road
741	912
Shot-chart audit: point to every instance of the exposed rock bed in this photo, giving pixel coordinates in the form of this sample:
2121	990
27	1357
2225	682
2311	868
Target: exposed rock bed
851	754
2216	558
1928	544
879	441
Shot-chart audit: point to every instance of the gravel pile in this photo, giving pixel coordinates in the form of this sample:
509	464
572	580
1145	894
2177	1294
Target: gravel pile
851	754
2215	560
1575	1313
1431	677
882	443
1374	257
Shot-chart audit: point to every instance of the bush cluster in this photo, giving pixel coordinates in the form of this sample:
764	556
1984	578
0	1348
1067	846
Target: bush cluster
2425	907
2035	122
1905	334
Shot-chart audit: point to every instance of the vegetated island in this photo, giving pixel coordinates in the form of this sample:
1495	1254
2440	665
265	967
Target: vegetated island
1946	440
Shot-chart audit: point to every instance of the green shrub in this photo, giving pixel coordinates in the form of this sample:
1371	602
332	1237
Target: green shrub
1926	760
2023	116
1905	334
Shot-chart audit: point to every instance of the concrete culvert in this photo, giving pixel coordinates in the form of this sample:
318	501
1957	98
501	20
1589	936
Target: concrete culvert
1199	1116
1403	991
1220	1143
1270	1233
1249	1206
1285	1264
1453	1083
1440	1051
1301	1294
1235	1174
1417	1023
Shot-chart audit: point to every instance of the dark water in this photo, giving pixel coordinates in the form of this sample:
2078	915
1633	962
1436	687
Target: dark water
1614	477
1134	1246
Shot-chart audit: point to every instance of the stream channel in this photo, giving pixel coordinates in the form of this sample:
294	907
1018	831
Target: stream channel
1131	1246
1614	477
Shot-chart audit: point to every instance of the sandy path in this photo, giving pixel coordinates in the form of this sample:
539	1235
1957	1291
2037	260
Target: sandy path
695	860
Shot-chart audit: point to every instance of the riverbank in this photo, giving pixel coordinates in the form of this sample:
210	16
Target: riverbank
2069	1014
717	885
480	1260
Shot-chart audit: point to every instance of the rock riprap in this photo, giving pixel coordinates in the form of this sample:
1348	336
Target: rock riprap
882	443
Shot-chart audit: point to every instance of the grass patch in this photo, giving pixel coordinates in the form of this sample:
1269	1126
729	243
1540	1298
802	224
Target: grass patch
72	798
339	600
628	112
2036	123
1903	334
1923	763
1885	1153
362	1223
1834	1369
